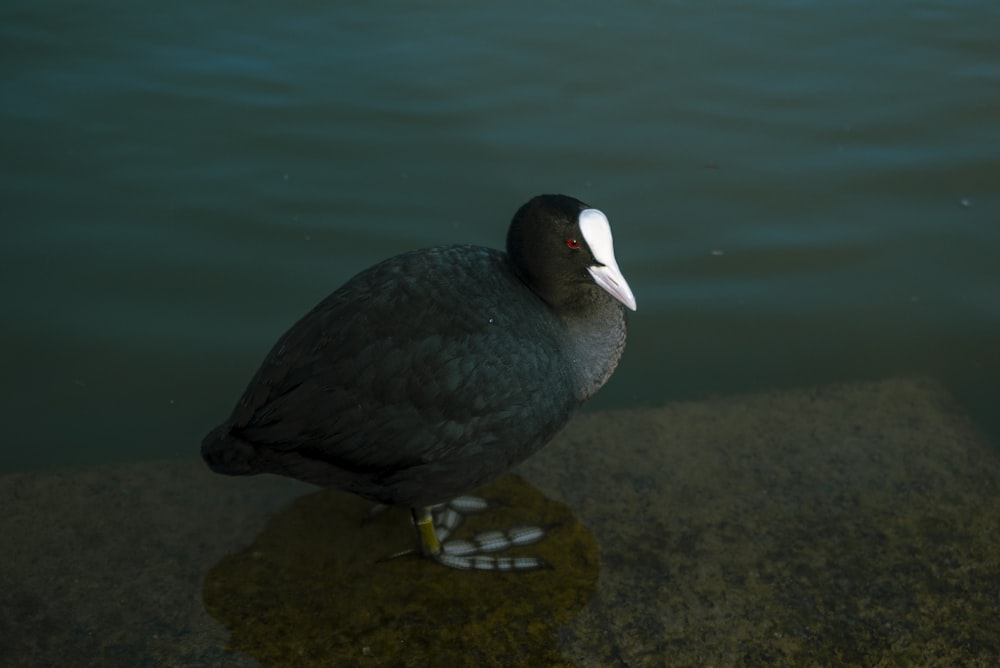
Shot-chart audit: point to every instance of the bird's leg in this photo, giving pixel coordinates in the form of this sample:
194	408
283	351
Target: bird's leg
430	546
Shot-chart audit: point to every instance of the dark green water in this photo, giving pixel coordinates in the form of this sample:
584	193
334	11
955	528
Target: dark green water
801	192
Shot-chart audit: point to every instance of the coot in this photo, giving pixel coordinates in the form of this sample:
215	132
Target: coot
435	371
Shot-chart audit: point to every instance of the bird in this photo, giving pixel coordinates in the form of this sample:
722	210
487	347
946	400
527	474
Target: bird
435	371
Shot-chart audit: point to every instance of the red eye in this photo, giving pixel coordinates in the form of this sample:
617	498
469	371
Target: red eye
573	243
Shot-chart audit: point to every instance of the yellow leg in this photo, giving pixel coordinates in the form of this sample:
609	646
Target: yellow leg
429	543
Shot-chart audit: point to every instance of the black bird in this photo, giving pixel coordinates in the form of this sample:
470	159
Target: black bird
433	372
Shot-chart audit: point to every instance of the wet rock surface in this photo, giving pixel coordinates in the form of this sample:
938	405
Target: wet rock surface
846	525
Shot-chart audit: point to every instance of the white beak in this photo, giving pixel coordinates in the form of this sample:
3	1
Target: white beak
610	278
597	231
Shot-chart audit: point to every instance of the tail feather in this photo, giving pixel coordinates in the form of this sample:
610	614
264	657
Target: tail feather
228	454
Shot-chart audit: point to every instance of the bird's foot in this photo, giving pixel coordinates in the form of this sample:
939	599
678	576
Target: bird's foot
436	524
480	551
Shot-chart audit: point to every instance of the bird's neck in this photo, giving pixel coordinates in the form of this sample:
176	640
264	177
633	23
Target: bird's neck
597	339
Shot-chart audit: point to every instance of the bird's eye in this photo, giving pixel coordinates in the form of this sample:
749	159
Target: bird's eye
573	243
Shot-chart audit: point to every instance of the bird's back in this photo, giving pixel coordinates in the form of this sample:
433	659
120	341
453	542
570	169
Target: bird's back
421	378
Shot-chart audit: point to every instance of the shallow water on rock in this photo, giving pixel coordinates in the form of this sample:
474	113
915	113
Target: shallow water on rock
312	588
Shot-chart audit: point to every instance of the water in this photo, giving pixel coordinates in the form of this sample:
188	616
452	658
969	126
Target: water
801	192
